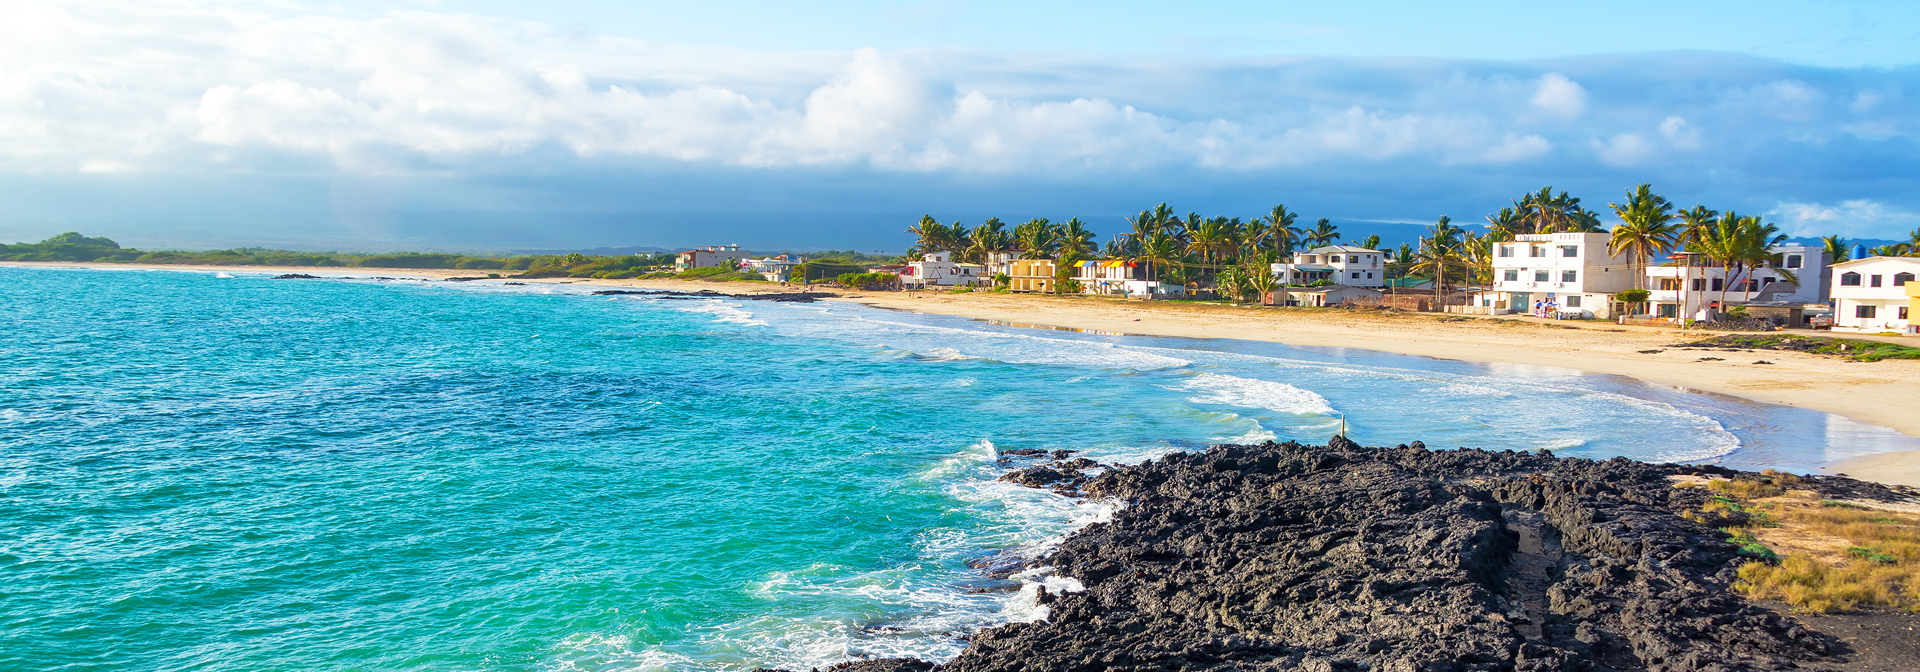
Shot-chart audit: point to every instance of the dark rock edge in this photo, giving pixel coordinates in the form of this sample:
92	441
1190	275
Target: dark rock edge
1346	557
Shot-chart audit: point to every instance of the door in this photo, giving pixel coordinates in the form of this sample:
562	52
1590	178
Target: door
1520	303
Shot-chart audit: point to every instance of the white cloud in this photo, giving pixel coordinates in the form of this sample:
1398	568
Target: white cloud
1679	134
1560	96
1852	218
1625	149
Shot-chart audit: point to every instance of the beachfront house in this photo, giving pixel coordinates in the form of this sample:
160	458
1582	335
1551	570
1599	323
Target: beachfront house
1324	295
1875	294
938	269
1347	265
1809	266
1687	286
1031	275
1568	274
775	269
1109	276
708	256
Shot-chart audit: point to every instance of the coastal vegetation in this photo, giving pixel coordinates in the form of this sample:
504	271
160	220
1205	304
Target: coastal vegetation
1852	349
1815	553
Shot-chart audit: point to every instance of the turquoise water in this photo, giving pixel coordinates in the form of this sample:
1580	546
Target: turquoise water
229	472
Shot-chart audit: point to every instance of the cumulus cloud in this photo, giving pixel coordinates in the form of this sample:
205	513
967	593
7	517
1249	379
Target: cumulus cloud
1853	218
1560	96
216	90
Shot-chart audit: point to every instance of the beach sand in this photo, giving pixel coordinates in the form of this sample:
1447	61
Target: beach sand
1885	393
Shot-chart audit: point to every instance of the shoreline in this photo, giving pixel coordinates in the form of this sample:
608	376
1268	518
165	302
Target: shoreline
1873	393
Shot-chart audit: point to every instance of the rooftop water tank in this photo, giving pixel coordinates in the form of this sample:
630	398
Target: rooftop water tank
1859	251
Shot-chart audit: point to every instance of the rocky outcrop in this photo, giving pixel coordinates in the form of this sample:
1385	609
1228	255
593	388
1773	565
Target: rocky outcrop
1344	557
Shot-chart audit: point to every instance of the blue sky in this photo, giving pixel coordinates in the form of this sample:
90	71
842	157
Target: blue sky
481	124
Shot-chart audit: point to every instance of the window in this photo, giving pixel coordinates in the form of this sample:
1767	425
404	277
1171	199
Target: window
1669	284
1768	281
1569	250
1539	276
1512	275
1850	279
1506	250
1863	311
1353	259
1356	275
1901	279
1569	276
1873	280
1369	275
1699	284
1718	283
1903	312
1573	302
1536	251
1793	261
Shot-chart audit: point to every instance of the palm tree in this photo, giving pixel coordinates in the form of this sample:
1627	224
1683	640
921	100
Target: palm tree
1439	251
1074	238
930	233
1324	233
1546	213
1371	242
985	240
1645	229
1160	250
1280	231
1208	238
1036	239
1504	225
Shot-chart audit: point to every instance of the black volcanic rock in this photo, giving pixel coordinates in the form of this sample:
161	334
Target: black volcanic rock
1344	557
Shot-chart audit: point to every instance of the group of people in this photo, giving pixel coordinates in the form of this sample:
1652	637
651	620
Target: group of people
1546	308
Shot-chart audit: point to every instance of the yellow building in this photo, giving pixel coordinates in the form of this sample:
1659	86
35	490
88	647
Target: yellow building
1913	303
1031	275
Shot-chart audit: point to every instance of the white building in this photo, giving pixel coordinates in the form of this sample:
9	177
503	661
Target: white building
1809	265
710	255
1109	276
1340	264
1686	284
774	269
938	269
1572	272
1870	295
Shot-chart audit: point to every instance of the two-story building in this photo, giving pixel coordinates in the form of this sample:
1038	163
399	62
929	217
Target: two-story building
1686	283
710	255
1339	264
938	269
1031	275
775	269
1569	274
1874	294
1110	276
1809	265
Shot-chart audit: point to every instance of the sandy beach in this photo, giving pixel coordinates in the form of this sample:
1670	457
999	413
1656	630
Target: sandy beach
1877	393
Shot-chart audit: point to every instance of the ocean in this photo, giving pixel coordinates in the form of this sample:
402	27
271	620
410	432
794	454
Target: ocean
204	471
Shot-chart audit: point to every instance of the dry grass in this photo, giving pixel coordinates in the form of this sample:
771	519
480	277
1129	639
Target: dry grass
1817	555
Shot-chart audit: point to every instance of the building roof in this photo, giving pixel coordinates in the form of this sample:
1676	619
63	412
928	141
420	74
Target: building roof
1911	260
1344	249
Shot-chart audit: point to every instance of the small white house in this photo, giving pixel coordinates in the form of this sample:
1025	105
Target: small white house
774	269
1324	295
1108	276
1870	295
1573	272
1347	265
938	269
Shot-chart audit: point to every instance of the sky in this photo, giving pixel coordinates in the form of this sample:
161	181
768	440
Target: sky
494	125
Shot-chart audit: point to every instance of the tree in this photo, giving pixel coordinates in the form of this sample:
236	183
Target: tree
986	239
1439	250
1544	212
1696	225
1279	231
929	233
1036	239
1645	229
1324	233
1371	242
1074	238
1504	225
1208	238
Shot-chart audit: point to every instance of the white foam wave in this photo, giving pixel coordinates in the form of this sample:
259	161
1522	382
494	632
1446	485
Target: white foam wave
721	312
223	275
1215	388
